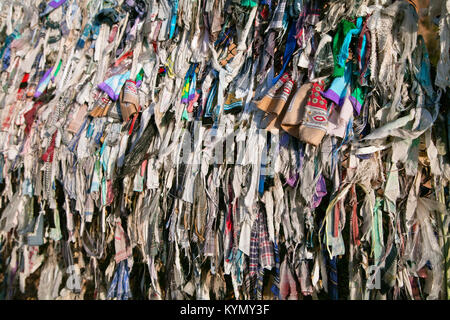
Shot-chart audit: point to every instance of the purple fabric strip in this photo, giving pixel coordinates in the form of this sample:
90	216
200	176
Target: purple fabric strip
321	191
331	95
55	4
103	86
292	181
191	97
356	105
364	156
46	75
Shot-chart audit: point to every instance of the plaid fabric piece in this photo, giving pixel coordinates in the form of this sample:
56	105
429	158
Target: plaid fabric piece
120	285
265	245
256	285
261	256
261	248
312	13
254	249
248	286
278	16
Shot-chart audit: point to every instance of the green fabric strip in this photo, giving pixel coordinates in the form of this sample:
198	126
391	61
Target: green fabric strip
343	28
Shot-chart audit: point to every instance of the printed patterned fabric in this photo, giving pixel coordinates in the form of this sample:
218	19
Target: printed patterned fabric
316	109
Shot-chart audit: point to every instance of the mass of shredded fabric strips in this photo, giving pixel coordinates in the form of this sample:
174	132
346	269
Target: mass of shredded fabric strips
224	149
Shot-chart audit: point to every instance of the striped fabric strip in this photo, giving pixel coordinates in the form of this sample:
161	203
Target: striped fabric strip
414	4
259	284
209	101
276	279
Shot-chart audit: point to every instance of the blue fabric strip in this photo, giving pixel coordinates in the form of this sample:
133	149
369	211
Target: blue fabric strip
290	48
